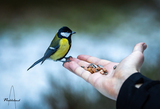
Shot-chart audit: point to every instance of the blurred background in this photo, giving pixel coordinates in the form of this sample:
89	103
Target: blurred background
106	29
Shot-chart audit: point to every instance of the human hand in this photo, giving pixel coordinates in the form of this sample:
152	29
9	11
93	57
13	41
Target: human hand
110	84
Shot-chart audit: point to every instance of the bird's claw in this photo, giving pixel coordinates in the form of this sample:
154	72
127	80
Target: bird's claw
67	59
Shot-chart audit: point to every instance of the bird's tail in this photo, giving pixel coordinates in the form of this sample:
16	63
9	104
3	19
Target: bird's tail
35	63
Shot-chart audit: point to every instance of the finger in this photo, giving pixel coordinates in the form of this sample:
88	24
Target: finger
86	75
80	62
78	70
140	47
138	56
94	60
66	65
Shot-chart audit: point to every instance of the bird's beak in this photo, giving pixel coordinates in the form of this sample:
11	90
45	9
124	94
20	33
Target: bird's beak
73	32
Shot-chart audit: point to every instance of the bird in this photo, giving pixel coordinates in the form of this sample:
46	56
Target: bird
59	46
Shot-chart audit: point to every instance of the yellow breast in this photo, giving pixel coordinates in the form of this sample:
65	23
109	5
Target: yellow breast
62	50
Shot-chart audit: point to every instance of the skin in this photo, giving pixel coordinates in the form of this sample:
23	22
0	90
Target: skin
109	85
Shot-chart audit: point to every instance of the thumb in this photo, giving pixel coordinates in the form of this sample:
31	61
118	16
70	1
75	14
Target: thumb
140	47
134	61
138	55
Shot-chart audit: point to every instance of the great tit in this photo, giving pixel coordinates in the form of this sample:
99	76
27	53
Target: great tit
59	46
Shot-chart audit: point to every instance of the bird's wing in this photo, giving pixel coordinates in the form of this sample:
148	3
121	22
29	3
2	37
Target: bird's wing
49	52
51	49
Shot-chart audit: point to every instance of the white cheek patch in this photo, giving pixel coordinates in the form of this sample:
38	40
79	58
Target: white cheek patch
65	34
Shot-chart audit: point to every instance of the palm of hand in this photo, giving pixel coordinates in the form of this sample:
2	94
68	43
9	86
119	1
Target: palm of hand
109	85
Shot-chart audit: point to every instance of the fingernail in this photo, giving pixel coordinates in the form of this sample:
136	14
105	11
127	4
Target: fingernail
144	46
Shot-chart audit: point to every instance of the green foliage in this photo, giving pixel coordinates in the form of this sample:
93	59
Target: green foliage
84	15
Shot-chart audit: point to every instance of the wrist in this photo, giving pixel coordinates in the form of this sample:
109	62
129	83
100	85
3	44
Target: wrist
121	81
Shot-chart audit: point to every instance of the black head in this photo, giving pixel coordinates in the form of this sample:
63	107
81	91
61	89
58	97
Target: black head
65	32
